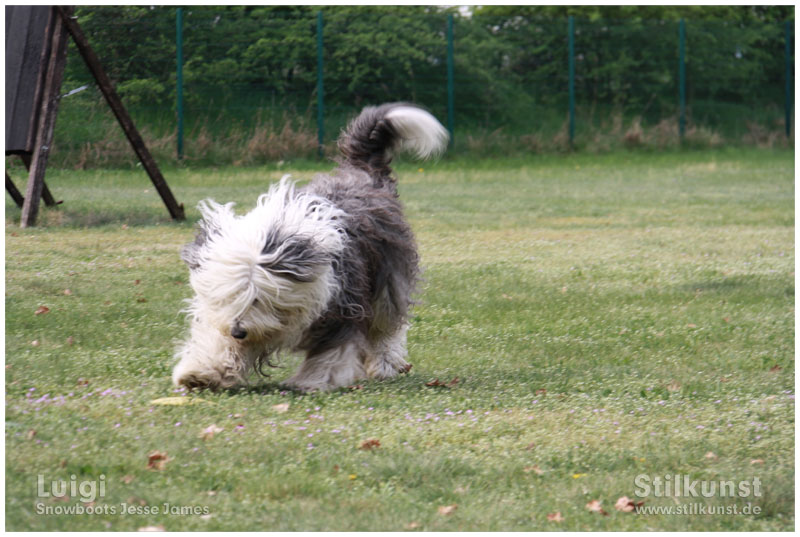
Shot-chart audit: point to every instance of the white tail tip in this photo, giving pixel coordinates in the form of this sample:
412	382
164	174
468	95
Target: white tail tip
418	132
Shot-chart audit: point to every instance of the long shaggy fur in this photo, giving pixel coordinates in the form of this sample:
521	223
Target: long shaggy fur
328	270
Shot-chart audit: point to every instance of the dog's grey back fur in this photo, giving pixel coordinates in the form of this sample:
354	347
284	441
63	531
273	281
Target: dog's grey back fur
379	266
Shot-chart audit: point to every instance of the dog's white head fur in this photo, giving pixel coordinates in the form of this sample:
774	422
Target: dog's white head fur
263	277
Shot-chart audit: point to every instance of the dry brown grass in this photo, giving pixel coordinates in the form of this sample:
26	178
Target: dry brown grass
613	134
759	135
262	143
269	144
271	140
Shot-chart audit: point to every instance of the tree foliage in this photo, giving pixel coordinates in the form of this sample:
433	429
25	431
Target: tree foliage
508	59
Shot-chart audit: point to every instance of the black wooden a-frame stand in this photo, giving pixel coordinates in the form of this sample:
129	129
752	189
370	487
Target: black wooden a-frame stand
33	103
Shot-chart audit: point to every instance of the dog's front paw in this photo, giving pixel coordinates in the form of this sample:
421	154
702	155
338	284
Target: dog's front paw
197	381
194	378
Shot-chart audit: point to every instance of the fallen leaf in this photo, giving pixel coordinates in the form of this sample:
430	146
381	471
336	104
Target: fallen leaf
141	300
355	387
535	469
127	479
370	444
594	506
151	528
352	477
67	292
83	382
578	476
35	343
757	461
673	386
439	384
157	460
209	432
775	369
31	434
207	516
136	282
555	517
281	408
41	310
447	509
711	456
70	340
626	505
541	391
177	401
691	325
412	525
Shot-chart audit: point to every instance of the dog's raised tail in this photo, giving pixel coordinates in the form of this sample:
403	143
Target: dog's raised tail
370	140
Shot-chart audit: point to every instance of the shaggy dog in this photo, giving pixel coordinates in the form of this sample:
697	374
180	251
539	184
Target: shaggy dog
327	270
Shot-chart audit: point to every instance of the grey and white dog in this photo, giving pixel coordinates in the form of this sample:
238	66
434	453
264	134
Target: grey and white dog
328	270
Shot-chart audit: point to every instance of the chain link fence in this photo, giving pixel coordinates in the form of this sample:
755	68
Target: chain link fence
261	84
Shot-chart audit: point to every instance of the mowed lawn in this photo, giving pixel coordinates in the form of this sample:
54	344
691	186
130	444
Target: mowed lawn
587	325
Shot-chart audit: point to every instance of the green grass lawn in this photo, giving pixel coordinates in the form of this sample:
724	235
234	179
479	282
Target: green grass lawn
606	317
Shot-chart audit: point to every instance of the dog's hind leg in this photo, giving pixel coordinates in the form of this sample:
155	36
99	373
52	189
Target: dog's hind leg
333	368
389	355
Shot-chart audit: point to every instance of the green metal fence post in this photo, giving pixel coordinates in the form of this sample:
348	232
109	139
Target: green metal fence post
682	78
450	80
789	79
320	88
571	43
179	77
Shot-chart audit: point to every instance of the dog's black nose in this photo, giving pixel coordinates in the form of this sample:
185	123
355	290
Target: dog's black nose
238	332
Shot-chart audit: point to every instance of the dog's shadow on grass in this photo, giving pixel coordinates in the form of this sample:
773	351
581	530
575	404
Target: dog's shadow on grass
276	388
401	383
262	388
